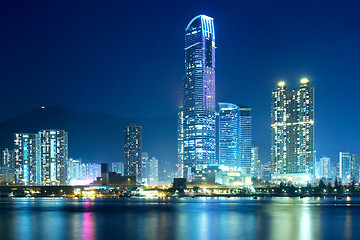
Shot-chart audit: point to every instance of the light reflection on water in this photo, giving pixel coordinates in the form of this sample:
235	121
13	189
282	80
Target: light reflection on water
185	218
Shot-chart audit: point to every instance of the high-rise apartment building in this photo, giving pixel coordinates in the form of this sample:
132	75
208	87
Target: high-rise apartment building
153	171
345	167
145	167
133	151
292	133
229	135
93	170
8	160
355	168
325	168
255	163
118	167
75	169
197	134
53	165
26	158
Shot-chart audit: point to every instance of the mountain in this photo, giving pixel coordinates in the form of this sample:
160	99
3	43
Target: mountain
96	137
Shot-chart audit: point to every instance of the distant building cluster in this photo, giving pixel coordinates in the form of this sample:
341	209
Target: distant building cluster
42	159
37	159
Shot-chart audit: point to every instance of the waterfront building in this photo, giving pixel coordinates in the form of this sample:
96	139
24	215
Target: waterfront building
255	163
145	168
132	151
245	139
53	165
8	160
355	168
118	167
196	133
345	167
292	133
26	158
265	173
153	171
75	169
93	170
229	135
324	168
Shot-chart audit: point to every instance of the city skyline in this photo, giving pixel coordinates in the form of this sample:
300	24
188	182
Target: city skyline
294	58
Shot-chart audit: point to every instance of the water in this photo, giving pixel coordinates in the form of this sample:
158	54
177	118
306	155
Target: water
184	218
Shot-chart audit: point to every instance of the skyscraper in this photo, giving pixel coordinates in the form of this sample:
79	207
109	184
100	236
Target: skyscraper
292	133
229	135
8	158
26	158
355	168
53	165
132	151
153	171
324	168
197	143
255	162
118	167
145	167
345	167
75	170
245	139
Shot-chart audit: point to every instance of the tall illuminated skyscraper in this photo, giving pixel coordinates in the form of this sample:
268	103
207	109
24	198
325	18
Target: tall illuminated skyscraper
26	158
133	151
229	134
53	165
292	133
197	142
245	139
345	167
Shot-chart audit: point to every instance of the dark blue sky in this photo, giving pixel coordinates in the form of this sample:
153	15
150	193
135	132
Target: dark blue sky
125	58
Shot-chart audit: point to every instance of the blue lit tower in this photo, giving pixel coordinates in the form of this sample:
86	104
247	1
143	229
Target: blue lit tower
229	135
245	138
197	135
26	158
133	151
52	169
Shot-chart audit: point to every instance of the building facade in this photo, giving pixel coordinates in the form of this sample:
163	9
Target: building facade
26	158
355	168
197	143
345	167
8	160
118	167
292	133
153	171
255	163
245	139
133	151
325	168
229	135
53	164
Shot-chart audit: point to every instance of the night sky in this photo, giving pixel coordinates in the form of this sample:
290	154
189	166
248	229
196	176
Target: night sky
126	58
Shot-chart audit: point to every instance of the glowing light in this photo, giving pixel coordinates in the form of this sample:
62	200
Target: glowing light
75	182
281	84
43	107
304	80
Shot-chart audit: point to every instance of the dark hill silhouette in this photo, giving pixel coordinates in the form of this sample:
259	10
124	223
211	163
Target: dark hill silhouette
95	137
